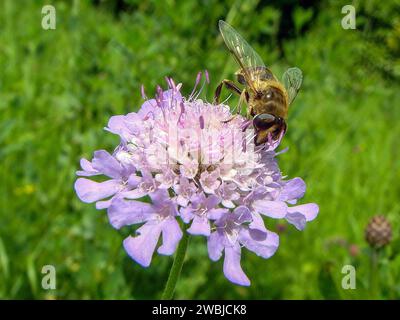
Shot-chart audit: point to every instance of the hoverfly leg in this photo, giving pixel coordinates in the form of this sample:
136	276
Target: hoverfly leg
230	85
242	99
230	119
239	107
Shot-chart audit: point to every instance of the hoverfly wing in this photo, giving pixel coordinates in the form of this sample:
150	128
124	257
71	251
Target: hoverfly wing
292	80
243	53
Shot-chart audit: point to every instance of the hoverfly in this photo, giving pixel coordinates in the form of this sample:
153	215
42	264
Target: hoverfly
267	98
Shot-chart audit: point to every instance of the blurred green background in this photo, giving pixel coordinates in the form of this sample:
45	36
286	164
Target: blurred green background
59	87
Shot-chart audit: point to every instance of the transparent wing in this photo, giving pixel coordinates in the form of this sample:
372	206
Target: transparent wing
243	53
292	79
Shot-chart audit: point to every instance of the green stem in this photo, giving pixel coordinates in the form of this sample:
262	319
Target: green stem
176	268
374	274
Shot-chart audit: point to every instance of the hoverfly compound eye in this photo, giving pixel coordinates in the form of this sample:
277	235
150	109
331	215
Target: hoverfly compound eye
264	121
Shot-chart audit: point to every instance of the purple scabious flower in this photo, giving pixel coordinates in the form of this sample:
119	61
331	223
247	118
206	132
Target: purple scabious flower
180	163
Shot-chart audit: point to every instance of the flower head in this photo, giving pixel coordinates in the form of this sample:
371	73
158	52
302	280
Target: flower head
197	167
378	232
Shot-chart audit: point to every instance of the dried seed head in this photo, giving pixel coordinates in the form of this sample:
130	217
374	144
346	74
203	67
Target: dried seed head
378	232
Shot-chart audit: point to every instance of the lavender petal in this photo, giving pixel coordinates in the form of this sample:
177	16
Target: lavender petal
232	269
106	164
265	248
141	247
200	226
90	191
122	212
215	245
171	234
273	209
